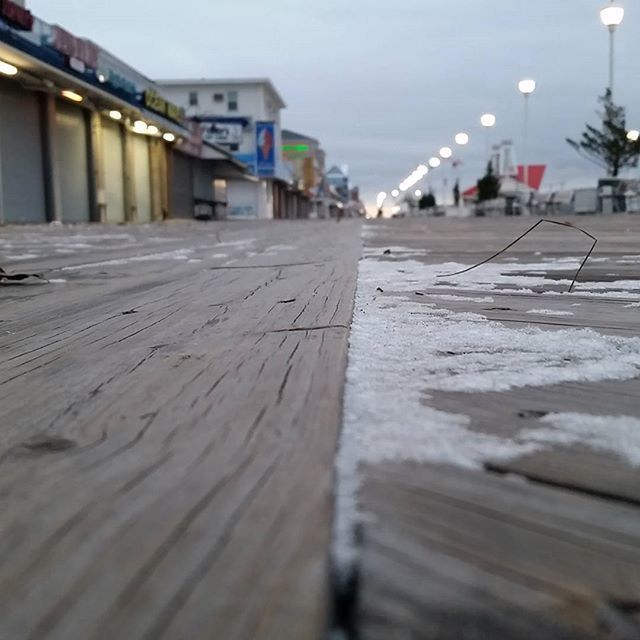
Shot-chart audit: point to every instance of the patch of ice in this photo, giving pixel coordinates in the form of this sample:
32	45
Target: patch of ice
237	243
281	247
178	254
450	298
400	348
619	435
23	256
550	312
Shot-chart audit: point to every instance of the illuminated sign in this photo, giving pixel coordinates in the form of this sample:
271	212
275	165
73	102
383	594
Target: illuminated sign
295	148
155	102
77	49
17	16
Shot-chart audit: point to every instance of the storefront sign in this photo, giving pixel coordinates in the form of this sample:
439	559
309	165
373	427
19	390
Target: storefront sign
265	149
17	16
77	49
155	102
223	132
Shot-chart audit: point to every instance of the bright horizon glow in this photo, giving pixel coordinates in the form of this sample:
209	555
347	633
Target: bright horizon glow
462	138
446	152
488	120
395	193
612	15
435	162
633	135
8	69
527	86
115	115
71	95
169	137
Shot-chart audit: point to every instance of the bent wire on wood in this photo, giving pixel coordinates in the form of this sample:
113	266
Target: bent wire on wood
495	255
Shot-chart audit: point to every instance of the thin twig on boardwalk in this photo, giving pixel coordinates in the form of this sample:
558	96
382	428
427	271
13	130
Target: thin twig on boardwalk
495	255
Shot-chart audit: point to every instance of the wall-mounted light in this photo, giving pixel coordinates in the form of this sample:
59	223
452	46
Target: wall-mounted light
152	130
101	77
140	126
8	69
71	95
115	115
169	137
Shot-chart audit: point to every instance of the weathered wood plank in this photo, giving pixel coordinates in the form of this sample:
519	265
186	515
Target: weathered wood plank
453	553
168	473
458	554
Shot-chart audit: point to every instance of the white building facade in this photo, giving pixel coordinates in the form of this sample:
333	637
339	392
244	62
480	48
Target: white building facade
243	117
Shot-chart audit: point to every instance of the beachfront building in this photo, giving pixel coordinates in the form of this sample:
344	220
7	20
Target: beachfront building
84	137
242	116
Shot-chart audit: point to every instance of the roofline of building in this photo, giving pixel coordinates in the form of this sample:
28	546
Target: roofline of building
294	135
183	82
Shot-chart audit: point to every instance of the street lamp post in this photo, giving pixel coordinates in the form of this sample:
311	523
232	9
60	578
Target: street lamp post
526	88
612	16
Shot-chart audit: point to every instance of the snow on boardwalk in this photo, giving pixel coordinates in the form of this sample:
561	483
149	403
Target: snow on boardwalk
491	447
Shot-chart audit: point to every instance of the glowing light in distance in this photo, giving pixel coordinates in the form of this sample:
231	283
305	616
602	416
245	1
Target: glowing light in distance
140	126
446	152
527	86
395	193
633	135
435	162
115	115
612	15
462	138
488	120
169	137
8	69
395	209
382	196
72	95
152	130
418	193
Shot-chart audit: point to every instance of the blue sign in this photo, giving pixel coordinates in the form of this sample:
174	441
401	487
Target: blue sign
265	149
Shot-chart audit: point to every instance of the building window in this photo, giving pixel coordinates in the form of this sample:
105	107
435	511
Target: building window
193	98
232	101
218	97
234	147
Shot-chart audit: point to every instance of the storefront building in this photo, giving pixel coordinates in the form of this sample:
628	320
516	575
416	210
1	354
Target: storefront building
83	136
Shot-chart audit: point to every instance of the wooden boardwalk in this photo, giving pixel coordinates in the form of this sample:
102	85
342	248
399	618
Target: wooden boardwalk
545	546
169	419
170	408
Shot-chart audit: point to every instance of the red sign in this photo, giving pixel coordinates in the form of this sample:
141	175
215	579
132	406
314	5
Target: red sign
78	48
16	15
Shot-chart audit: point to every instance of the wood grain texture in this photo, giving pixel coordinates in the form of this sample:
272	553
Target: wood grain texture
168	432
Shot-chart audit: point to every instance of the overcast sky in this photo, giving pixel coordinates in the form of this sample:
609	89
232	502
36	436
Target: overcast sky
385	83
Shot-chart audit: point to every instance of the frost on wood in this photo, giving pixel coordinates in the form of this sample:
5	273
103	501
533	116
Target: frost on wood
402	348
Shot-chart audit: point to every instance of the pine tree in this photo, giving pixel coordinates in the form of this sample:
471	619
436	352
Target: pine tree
489	185
609	146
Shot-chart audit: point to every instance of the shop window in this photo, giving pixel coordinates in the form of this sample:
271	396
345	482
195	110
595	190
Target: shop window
232	101
193	98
